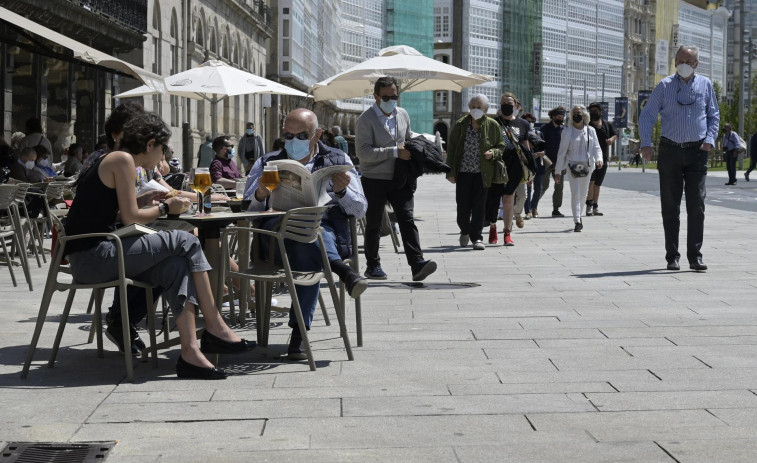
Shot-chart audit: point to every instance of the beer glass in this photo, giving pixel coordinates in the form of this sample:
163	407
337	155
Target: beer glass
200	182
270	178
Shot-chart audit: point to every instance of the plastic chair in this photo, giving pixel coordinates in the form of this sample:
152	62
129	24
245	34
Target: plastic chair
353	261
53	284
53	191
10	231
302	225
22	190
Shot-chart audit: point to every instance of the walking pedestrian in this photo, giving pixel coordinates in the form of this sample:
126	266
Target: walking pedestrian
552	132
730	145
580	154
475	149
752	155
690	116
606	136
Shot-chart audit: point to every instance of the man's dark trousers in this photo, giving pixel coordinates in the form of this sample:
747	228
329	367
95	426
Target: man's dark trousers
682	169
378	192
730	163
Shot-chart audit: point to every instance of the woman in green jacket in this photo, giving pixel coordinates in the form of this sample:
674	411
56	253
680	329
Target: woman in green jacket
475	155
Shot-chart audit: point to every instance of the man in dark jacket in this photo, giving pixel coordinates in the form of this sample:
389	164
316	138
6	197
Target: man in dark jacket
552	132
752	156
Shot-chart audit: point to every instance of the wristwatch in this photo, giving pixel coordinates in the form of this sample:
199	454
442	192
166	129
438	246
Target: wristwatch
163	208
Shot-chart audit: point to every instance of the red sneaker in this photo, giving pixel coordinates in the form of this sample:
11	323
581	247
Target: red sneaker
508	241
493	234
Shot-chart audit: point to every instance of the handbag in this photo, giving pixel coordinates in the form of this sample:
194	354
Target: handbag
500	172
526	158
742	145
580	169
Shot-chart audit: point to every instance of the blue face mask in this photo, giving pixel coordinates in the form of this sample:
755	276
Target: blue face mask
297	149
388	106
250	131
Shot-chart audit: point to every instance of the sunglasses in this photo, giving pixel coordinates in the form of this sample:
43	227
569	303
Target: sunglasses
387	98
228	146
688	96
299	136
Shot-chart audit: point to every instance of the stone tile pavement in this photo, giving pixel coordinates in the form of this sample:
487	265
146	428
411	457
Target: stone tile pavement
571	347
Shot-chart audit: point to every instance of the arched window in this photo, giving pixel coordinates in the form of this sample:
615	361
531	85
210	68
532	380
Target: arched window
200	32
212	44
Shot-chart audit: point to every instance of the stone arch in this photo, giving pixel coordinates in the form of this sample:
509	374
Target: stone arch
226	34
235	58
200	29
213	37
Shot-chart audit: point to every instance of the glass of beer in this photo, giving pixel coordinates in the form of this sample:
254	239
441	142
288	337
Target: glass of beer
270	178
200	181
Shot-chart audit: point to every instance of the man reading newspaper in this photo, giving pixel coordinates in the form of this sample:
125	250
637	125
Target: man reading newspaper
345	196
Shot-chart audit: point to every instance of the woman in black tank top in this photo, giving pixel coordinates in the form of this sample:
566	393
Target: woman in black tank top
172	260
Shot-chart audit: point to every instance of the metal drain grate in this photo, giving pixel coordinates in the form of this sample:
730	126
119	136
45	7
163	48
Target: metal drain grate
54	452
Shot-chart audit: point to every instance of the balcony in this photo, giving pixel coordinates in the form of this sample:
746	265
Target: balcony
129	13
259	12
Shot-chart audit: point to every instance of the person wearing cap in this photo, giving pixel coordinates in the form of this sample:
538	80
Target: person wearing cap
552	133
606	136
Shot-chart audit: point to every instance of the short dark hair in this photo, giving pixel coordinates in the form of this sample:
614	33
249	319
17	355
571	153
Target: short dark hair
75	147
220	142
142	128
33	125
597	105
384	82
250	124
117	120
555	111
26	150
42	151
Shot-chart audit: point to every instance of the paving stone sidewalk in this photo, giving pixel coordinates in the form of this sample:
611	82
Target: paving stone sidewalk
567	347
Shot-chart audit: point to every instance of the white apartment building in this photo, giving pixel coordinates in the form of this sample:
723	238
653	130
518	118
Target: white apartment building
583	52
705	29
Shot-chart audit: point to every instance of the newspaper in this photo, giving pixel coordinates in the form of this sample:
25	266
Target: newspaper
301	188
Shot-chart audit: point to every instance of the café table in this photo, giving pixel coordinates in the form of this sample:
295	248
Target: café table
209	232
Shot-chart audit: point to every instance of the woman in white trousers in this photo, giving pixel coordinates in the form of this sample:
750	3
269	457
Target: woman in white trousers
579	150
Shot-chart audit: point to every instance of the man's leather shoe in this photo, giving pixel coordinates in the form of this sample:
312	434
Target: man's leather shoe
731	183
186	370
698	265
210	344
355	284
557	213
422	269
294	350
746	176
674	265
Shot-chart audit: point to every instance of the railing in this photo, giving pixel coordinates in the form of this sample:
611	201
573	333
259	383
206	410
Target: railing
130	13
258	10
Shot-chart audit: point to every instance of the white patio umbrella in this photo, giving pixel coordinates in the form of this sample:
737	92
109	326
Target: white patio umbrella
213	81
415	72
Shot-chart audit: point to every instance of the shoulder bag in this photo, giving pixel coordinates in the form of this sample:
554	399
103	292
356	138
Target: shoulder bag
580	169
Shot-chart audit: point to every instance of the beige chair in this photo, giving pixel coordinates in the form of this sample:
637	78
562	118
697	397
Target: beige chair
54	283
353	261
9	231
302	225
22	189
53	192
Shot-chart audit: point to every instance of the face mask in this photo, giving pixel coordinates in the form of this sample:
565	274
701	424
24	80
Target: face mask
516	112
29	165
684	70
63	158
233	153
388	106
44	163
594	116
531	124
559	121
578	118
506	109
477	113
249	131
297	149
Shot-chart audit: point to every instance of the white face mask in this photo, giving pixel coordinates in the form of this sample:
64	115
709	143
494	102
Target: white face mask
477	113
29	165
684	70
44	163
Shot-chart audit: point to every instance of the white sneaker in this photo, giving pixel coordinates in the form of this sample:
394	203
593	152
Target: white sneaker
479	245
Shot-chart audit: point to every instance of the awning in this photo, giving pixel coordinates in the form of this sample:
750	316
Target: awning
83	52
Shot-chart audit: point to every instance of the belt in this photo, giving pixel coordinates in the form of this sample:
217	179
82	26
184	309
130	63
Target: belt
684	145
